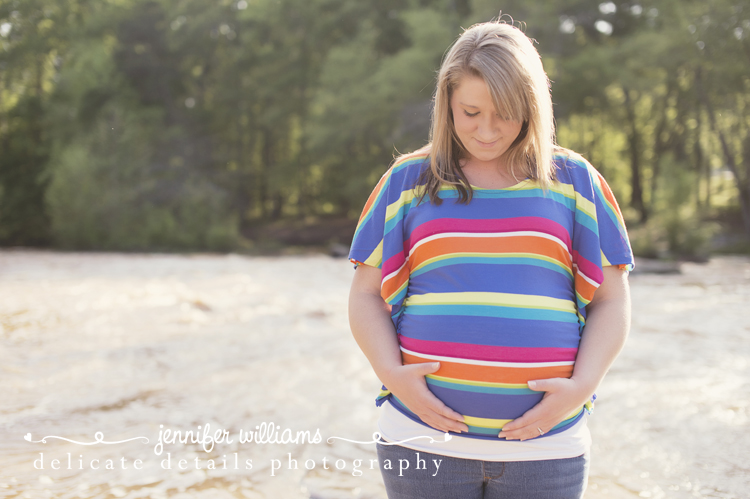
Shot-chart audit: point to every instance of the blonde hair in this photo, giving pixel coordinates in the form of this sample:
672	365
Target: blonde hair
505	58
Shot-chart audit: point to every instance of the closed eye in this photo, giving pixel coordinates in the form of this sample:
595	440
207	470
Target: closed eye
470	115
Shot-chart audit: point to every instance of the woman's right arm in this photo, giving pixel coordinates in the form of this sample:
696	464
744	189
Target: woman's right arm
370	321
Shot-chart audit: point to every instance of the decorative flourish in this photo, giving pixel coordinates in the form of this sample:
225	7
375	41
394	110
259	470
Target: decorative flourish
99	436
377	438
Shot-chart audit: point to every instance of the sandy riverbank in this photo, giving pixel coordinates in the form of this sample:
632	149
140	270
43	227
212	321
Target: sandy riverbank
121	344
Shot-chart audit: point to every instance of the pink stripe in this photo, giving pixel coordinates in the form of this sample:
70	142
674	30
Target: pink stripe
591	271
485	352
443	225
393	263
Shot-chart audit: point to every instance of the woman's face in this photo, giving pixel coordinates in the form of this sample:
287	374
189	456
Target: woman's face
484	133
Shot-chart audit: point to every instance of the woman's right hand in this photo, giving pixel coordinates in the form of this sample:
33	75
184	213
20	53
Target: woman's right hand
408	384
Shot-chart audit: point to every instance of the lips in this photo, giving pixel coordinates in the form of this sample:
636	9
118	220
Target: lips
487	144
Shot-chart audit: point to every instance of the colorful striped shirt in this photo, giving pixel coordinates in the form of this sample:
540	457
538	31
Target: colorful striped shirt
496	289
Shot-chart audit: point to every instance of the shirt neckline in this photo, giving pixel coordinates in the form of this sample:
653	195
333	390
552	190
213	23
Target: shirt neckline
510	188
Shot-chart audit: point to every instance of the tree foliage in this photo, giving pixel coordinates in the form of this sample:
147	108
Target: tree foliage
184	124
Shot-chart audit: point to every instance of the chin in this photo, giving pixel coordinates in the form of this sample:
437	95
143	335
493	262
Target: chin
486	156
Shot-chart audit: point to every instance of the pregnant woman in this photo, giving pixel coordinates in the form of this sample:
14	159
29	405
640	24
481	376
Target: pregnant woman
490	293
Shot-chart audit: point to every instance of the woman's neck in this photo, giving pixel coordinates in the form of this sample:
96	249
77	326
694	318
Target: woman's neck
488	174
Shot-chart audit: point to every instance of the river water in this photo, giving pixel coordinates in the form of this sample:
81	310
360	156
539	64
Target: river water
101	347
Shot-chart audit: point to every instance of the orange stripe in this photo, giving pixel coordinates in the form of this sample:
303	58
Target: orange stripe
584	288
496	245
373	196
391	285
610	196
492	374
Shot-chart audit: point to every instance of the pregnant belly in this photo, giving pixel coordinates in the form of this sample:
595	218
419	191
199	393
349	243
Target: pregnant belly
488	393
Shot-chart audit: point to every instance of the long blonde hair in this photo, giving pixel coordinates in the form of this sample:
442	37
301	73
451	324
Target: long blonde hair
507	61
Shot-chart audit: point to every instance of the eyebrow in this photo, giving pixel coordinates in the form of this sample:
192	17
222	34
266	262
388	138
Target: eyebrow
467	105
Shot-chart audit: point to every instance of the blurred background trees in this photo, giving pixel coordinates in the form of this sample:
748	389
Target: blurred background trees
194	125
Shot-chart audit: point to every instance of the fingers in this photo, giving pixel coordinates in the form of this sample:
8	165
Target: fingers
532	415
532	430
444	424
451	414
455	419
560	400
543	385
527	426
438	415
424	367
415	394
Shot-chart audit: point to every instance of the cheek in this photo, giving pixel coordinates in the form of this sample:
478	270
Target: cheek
513	129
462	123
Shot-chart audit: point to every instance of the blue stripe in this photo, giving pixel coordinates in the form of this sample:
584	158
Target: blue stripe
484	405
586	221
530	280
483	431
489	331
461	260
399	297
396	176
492	311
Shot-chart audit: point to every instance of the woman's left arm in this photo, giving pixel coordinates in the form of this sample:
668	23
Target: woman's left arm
607	326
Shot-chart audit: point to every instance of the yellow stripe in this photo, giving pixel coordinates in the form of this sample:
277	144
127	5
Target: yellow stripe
586	206
477	383
405	198
486	423
566	190
496	299
582	204
376	257
499	423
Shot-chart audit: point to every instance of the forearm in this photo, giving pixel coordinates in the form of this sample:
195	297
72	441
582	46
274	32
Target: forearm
372	328
607	326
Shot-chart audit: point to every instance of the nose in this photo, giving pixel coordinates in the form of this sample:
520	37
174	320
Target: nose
488	128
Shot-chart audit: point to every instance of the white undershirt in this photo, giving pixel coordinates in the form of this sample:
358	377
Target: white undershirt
394	426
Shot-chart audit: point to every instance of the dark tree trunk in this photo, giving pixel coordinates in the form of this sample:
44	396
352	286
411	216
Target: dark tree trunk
266	163
742	182
634	145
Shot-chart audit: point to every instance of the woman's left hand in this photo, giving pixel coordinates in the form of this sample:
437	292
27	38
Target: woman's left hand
562	397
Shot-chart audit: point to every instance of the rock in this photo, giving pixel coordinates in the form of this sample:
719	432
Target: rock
338	250
651	266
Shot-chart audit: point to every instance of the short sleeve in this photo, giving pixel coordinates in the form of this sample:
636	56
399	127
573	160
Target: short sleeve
600	237
380	239
613	236
367	244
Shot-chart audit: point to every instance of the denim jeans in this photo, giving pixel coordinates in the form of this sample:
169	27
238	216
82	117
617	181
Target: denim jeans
416	474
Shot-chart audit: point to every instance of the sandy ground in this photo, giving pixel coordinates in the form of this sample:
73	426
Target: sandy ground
131	345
